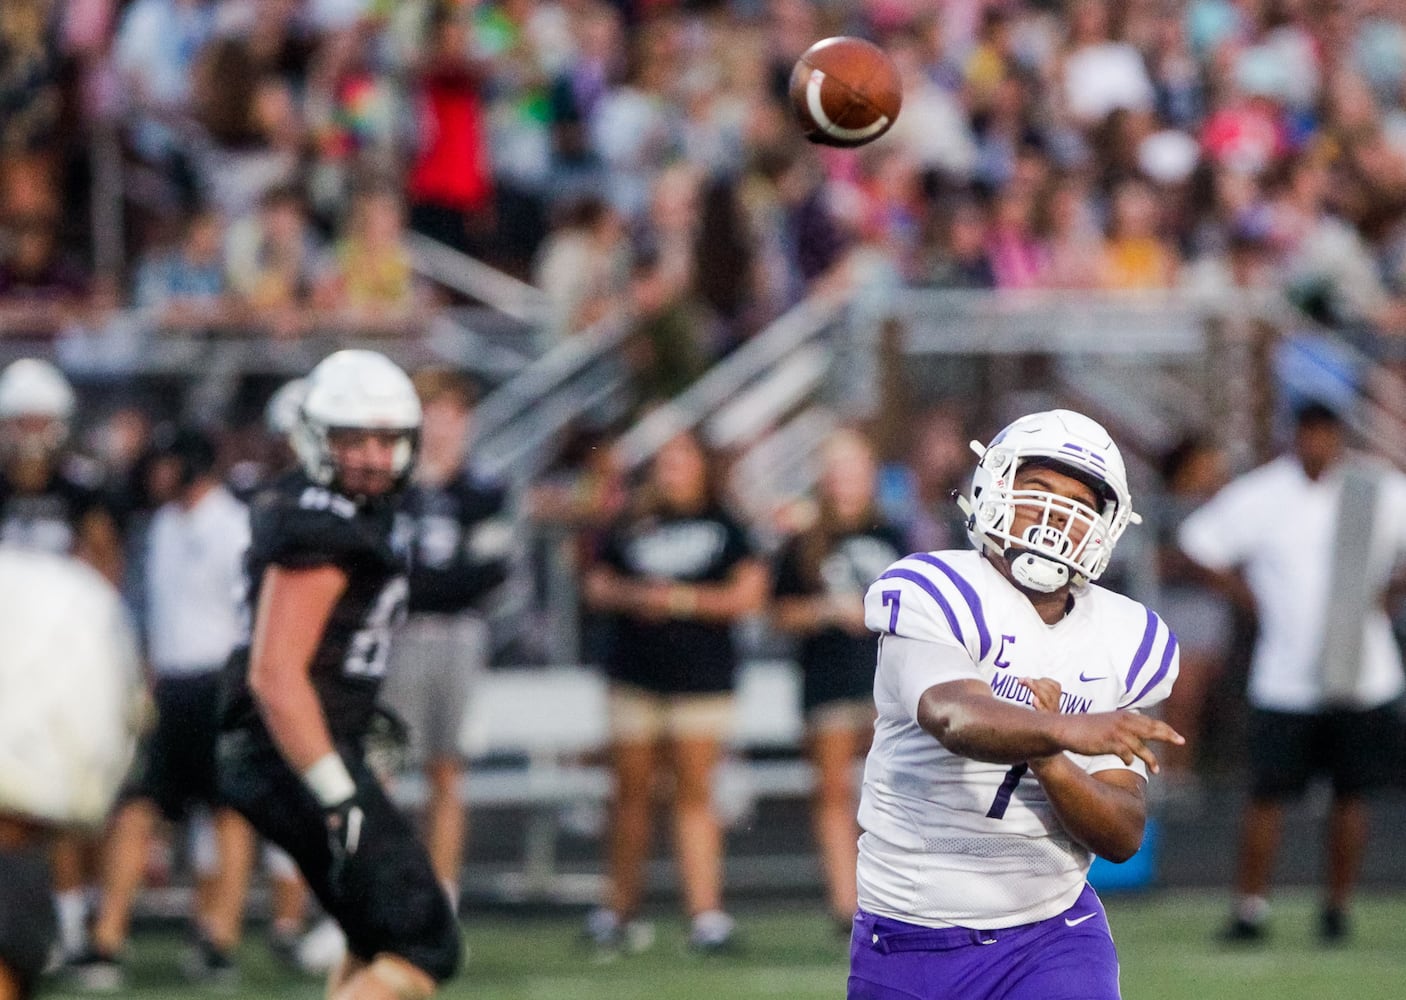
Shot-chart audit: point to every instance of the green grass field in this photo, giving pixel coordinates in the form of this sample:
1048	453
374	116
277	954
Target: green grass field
793	954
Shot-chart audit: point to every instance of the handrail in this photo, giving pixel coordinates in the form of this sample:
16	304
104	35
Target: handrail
476	279
723	380
552	369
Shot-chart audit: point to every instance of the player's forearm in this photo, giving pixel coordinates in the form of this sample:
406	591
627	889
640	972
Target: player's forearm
294	719
979	727
1105	818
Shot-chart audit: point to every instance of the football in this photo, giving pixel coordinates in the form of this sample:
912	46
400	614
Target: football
845	92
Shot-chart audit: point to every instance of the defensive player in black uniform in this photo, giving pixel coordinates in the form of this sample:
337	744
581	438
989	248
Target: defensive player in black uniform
326	575
49	502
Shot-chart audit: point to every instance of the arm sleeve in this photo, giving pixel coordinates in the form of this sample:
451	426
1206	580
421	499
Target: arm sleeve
914	665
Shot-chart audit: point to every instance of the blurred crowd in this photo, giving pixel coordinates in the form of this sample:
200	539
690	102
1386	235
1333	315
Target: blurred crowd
638	154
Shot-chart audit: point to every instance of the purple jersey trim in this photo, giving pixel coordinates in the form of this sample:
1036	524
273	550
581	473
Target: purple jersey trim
1162	669
969	595
933	592
1144	650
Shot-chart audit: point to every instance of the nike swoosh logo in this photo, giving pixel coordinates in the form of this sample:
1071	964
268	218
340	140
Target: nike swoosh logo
1075	922
1088	680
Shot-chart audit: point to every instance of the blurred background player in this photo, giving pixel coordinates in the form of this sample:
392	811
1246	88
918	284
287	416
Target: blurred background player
676	574
821	575
981	818
70	704
1311	540
193	566
50	502
326	585
463	540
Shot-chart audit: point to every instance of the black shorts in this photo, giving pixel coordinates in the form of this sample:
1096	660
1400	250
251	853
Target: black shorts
27	925
175	767
1358	750
388	899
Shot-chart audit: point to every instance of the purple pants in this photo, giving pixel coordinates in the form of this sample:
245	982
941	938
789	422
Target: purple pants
1067	957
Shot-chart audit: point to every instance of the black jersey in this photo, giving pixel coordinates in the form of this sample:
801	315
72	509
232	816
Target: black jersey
297	524
836	664
463	538
49	519
676	656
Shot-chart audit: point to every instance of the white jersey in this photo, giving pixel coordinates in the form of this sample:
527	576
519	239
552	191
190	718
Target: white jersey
953	841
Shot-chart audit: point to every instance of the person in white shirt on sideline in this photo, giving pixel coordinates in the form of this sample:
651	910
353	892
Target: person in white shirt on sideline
981	817
1311	540
195	551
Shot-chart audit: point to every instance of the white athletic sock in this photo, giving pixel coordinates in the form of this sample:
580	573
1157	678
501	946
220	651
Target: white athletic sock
71	905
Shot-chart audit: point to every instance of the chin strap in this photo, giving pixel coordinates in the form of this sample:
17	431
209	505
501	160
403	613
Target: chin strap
1036	572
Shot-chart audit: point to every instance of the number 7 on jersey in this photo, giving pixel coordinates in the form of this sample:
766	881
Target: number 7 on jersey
891	602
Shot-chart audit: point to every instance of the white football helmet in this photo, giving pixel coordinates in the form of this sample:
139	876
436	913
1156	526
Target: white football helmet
281	412
33	388
355	390
1069	541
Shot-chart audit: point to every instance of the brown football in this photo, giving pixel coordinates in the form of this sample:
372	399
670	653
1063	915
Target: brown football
845	92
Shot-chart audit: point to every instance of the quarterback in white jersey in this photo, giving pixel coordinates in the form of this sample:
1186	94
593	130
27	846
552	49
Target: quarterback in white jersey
1008	750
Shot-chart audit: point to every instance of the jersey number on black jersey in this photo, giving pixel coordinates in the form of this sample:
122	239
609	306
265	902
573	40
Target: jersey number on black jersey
371	644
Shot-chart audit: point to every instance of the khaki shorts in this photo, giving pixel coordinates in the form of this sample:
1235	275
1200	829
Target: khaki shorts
436	661
848	714
640	716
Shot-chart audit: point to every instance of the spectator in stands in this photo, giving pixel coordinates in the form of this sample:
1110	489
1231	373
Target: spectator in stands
155	51
193	563
41	288
818	597
673	344
451	182
956	254
1018	260
583	267
1098	72
676	573
1073	239
461	552
274	261
1137	256
1312	539
185	287
371	283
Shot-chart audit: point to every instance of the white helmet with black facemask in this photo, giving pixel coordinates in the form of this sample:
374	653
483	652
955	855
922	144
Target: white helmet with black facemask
356	390
1068	541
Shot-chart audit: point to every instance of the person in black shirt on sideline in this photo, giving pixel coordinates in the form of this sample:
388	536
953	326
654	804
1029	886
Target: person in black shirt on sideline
821	576
460	553
326	578
675	574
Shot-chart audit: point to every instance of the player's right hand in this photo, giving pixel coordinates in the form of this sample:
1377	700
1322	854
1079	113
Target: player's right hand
1125	734
344	823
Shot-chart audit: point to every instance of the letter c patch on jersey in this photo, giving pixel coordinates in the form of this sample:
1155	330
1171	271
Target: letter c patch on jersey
1000	660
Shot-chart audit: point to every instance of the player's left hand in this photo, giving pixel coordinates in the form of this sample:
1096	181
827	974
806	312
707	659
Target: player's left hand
1046	692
